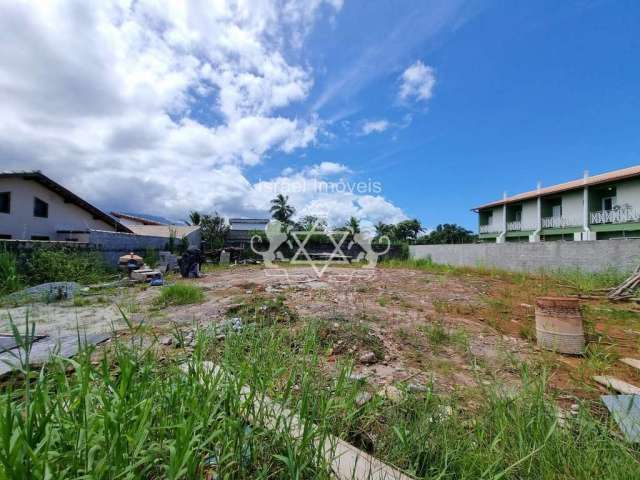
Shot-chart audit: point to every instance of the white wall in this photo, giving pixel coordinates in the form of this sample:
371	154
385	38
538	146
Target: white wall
572	205
20	222
530	215
628	193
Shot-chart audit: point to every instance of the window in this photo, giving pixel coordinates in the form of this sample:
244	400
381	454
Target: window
556	211
608	203
40	209
5	237
517	215
40	237
5	202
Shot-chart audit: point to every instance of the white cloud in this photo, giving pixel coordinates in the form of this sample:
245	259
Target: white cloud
156	106
417	82
326	168
374	126
336	200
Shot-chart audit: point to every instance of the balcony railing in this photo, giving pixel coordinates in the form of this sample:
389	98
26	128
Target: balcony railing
490	228
561	222
517	226
619	215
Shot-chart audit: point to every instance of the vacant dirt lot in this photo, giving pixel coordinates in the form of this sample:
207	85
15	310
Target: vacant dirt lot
456	330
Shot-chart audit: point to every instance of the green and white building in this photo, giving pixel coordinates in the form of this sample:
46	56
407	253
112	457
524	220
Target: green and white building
595	207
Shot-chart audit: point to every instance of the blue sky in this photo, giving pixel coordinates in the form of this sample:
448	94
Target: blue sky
218	106
525	91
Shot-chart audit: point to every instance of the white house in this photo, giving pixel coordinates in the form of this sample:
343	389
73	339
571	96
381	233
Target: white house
34	207
596	207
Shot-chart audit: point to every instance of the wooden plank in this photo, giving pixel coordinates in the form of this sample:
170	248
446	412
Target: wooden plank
632	362
617	385
347	462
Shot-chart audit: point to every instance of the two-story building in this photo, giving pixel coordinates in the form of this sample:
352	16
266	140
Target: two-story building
590	208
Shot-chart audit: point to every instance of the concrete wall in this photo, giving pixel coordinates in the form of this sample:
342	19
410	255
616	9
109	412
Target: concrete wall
22	225
115	244
589	256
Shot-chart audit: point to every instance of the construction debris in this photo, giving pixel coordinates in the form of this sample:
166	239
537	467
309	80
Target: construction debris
47	292
43	348
617	385
625	290
367	358
632	362
625	410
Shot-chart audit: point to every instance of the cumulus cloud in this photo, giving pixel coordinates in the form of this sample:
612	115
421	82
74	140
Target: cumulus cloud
417	82
157	106
374	126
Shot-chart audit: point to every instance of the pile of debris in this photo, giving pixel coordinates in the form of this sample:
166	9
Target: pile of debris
625	291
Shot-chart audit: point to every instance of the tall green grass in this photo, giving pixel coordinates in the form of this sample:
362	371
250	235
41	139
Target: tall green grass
134	415
575	278
179	294
10	279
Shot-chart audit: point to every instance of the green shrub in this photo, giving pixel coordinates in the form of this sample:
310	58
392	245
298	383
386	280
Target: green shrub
151	257
179	294
45	264
10	280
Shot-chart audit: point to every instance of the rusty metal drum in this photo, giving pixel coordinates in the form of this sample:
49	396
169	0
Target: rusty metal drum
559	325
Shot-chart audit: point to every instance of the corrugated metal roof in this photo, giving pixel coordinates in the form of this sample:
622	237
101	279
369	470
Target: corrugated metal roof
163	230
614	175
139	218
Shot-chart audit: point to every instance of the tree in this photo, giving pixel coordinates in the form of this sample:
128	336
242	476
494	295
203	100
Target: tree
213	230
353	224
448	233
195	217
407	230
311	222
281	210
384	229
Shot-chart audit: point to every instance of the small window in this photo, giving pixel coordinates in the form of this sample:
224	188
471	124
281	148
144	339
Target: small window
40	209
5	237
556	211
40	237
5	202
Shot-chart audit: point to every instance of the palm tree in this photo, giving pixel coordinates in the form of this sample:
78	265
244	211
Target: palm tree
281	210
195	217
354	225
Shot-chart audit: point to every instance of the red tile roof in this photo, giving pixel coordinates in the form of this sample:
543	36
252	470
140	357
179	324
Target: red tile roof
621	174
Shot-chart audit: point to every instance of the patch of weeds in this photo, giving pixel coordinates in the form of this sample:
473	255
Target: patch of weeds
611	315
80	301
10	279
527	332
179	294
383	301
264	311
599	357
587	282
438	335
344	338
